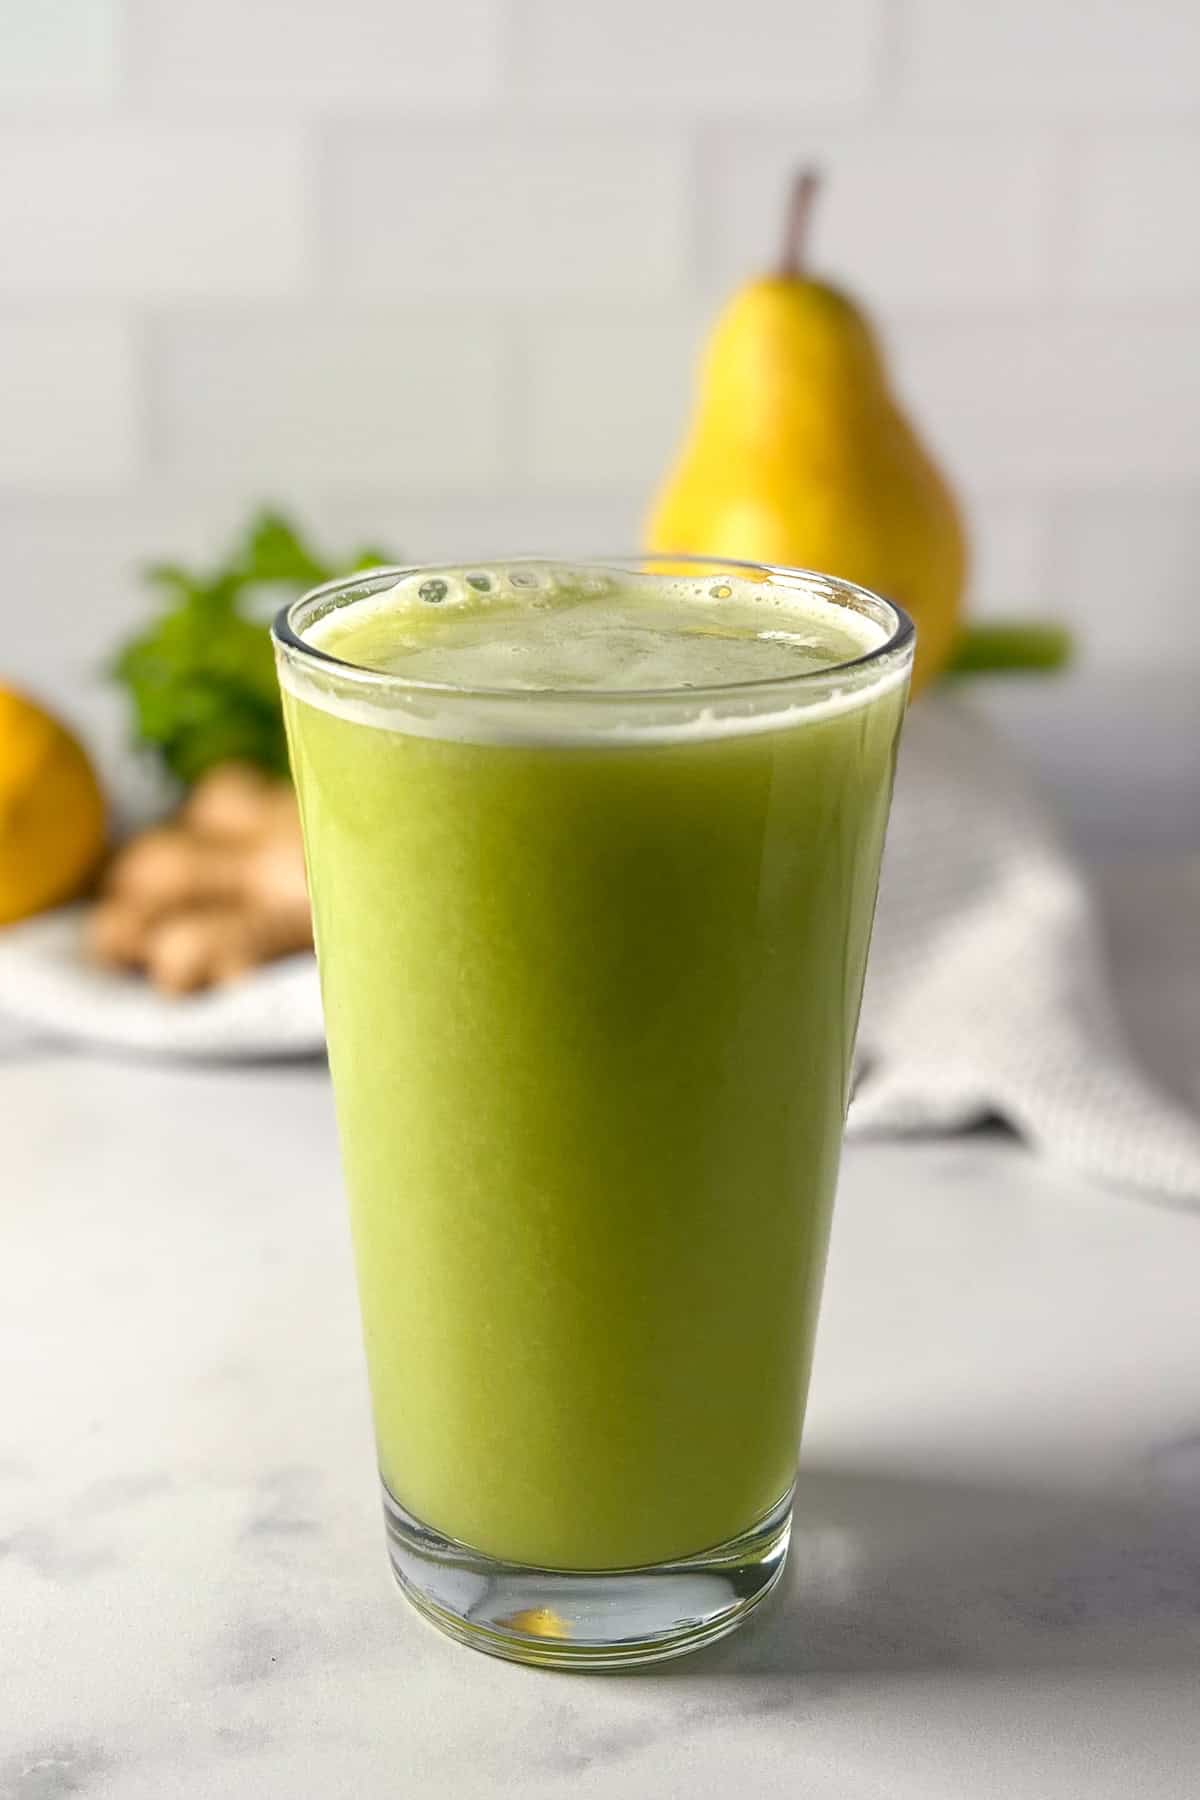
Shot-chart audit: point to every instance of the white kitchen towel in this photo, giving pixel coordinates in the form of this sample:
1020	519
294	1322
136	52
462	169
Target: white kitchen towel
987	994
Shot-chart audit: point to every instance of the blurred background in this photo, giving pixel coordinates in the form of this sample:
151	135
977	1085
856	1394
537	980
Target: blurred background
435	276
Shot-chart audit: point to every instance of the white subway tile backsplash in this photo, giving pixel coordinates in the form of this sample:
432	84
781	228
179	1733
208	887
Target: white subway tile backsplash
68	402
1137	231
509	212
492	522
1009	542
669	52
1057	400
946	217
57	50
369	397
152	211
1126	565
1123	399
318	56
1058	58
610	398
72	563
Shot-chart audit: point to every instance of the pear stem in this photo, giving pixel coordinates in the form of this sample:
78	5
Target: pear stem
796	228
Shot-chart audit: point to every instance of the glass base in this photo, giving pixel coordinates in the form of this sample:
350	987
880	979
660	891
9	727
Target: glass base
574	1619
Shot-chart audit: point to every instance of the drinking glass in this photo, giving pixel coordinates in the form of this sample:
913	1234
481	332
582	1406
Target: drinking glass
591	965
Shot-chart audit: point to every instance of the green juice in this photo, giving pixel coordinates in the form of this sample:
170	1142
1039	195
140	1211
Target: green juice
592	923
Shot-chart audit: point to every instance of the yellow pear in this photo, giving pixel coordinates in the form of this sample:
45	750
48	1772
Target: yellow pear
800	454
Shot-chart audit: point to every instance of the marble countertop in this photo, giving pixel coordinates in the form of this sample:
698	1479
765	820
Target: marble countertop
995	1589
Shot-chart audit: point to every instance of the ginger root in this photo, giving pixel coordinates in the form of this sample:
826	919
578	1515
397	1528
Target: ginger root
237	802
213	894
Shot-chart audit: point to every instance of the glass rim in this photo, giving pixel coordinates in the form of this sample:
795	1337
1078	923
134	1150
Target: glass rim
898	643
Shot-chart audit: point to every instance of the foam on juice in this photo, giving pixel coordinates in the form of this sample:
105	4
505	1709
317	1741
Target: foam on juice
550	634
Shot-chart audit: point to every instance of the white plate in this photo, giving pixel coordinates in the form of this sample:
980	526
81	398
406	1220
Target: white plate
47	982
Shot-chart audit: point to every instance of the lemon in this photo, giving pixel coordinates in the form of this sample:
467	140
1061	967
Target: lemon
51	810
